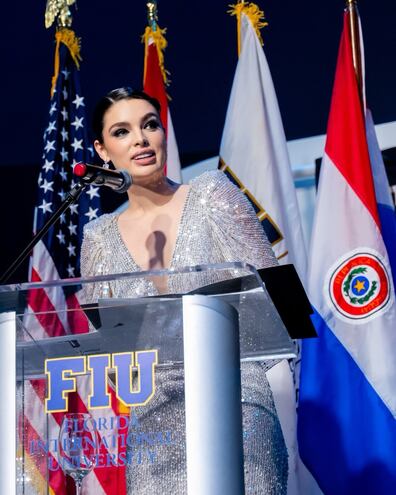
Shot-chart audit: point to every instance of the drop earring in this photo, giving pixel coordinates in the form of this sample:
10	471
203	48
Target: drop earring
106	164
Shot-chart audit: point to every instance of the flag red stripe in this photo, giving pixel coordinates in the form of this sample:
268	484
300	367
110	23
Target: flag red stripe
112	479
154	82
57	480
40	303
346	143
56	477
77	320
107	476
29	437
39	387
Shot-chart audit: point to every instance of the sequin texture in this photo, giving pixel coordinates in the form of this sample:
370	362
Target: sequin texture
217	225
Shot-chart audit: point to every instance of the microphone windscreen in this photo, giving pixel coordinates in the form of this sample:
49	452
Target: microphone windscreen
80	169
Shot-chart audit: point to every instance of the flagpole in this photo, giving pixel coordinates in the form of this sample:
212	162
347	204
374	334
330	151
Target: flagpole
239	33
355	38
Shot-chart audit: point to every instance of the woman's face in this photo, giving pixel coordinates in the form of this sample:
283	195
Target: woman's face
133	139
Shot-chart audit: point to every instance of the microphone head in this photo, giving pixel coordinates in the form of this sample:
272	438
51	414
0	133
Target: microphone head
127	182
118	180
80	169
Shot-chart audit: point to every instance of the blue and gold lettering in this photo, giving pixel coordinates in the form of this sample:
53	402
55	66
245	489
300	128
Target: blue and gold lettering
59	373
145	363
99	366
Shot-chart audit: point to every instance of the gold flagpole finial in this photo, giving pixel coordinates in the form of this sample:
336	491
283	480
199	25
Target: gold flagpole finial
59	10
155	33
152	14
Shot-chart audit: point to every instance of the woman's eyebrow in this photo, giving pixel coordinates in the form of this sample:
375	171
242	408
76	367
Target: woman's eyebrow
149	115
119	124
126	124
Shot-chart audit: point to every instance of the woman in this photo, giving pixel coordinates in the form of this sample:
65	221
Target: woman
168	225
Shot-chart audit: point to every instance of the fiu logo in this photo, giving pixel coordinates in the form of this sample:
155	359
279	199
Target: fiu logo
62	372
273	233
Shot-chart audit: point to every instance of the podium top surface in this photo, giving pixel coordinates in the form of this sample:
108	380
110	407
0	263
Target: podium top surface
237	268
112	317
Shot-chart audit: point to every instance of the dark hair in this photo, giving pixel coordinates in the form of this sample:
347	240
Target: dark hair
124	93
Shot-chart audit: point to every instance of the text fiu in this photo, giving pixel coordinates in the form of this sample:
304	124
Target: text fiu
61	374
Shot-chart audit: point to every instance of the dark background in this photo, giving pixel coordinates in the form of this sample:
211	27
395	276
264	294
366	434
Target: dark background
301	44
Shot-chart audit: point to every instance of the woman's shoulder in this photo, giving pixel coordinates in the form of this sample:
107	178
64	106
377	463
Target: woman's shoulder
100	225
213	182
208	178
216	186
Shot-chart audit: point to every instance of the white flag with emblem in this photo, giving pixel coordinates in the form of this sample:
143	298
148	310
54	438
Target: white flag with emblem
253	154
254	151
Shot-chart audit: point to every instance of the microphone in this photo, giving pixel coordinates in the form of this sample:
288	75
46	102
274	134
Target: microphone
118	180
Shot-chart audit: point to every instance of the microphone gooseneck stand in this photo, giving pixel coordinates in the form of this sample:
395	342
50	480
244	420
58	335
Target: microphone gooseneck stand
71	197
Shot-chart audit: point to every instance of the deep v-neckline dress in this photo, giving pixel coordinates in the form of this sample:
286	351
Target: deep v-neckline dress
218	224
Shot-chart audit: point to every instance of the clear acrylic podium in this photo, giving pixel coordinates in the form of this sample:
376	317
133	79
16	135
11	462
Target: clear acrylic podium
215	317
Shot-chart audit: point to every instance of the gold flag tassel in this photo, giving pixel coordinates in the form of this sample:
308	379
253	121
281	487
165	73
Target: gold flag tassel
255	15
68	37
158	37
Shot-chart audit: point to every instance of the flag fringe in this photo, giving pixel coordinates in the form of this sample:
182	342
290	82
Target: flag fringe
158	37
67	37
255	15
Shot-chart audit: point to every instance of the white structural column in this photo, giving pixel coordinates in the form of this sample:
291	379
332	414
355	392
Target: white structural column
213	397
8	399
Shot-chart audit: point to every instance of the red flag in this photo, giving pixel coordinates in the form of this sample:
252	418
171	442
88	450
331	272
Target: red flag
155	79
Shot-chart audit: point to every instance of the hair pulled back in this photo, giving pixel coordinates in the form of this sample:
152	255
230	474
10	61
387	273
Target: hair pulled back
124	93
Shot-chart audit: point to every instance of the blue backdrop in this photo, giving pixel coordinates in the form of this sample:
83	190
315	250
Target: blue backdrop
301	44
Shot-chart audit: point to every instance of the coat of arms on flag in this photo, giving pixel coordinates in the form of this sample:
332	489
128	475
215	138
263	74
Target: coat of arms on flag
358	286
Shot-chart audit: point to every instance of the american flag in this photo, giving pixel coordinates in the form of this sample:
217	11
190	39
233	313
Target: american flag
57	257
65	144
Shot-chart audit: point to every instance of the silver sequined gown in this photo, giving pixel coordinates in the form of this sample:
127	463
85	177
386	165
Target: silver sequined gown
217	225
